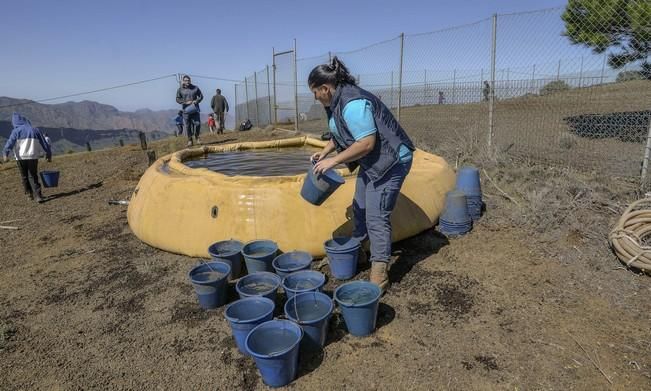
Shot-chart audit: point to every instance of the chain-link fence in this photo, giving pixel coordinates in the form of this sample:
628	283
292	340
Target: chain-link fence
568	86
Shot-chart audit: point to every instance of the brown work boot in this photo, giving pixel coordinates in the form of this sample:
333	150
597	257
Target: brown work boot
380	274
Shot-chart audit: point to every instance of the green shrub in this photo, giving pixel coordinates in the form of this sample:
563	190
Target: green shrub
554	86
629	75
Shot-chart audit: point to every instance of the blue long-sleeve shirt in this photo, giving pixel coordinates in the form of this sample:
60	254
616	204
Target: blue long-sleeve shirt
25	141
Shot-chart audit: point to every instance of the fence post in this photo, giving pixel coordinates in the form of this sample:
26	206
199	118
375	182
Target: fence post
402	47
273	69
454	87
581	74
491	101
425	87
391	107
645	163
295	88
255	89
269	93
603	69
533	77
246	96
237	111
558	71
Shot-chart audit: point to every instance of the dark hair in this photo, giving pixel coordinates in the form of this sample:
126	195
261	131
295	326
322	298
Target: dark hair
334	73
219	91
186	77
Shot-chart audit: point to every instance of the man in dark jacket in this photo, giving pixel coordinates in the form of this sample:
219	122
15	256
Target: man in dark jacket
219	106
189	96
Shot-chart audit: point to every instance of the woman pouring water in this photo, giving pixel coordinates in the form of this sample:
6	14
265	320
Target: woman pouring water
365	134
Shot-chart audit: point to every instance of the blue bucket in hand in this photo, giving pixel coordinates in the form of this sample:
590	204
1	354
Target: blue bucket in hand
292	261
50	178
258	255
210	281
312	311
191	109
303	281
359	302
342	255
317	188
244	314
258	284
229	250
274	346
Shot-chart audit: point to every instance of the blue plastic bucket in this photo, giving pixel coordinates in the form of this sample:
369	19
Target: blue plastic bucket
456	208
468	181
475	206
258	255
342	256
455	219
303	281
244	314
263	284
317	188
292	261
312	311
191	109
359	302
50	178
229	250
274	346
210	281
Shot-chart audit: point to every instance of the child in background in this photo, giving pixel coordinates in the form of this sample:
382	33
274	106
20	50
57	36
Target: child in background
211	123
179	123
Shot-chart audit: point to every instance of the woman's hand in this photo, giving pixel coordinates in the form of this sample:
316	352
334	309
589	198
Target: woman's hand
316	157
323	165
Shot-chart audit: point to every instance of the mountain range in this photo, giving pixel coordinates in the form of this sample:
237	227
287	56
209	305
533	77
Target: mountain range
87	115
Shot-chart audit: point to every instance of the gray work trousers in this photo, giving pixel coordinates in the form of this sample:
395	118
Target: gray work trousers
372	207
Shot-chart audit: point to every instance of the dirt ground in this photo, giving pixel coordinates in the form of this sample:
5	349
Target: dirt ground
531	299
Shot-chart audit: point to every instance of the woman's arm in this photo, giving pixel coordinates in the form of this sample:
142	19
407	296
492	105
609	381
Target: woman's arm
355	152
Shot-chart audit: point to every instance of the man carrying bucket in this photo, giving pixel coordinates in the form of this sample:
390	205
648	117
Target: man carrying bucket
27	144
189	96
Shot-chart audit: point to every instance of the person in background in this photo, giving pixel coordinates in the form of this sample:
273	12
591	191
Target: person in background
486	91
364	134
27	144
441	98
219	106
47	139
211	123
179	123
190	95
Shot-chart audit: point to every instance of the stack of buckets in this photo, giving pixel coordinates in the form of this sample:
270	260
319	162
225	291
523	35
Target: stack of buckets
275	344
463	205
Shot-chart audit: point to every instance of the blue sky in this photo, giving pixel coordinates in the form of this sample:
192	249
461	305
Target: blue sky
57	48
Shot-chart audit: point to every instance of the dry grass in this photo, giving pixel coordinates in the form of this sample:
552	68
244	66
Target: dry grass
531	127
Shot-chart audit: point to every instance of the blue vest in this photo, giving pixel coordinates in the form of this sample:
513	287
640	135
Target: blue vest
390	135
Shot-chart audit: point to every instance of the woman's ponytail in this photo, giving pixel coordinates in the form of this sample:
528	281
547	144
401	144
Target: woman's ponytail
334	73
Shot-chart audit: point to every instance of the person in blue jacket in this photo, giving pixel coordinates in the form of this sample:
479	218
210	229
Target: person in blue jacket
179	123
365	134
27	144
